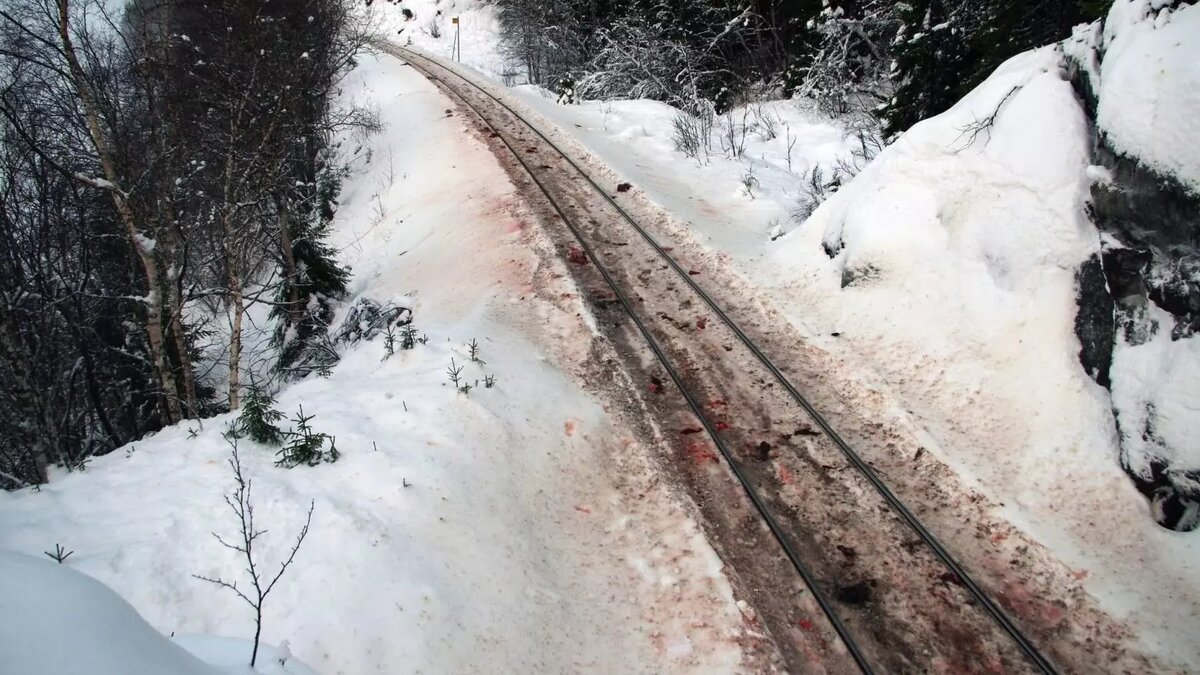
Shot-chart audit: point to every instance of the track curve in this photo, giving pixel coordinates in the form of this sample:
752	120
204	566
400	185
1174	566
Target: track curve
653	339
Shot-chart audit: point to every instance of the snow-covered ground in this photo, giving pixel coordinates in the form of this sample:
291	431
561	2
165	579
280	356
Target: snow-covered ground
431	28
943	277
457	533
56	620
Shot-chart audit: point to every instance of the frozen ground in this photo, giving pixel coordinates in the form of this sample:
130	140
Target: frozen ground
457	533
944	278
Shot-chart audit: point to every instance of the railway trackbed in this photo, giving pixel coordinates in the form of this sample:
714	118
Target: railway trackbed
841	572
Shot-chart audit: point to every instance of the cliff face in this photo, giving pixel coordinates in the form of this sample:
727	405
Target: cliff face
1139	298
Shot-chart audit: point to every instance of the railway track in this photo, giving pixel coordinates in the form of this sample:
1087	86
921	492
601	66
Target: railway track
891	596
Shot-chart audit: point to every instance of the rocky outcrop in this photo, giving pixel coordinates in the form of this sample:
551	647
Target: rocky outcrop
1138	300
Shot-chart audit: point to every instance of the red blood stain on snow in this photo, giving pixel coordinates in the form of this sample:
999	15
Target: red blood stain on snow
693	273
577	256
701	453
702	323
583	508
569	427
1048	615
807	625
717	403
514	226
785	475
690	430
721	426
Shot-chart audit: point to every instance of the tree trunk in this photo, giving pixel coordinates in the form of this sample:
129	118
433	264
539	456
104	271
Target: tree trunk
235	341
141	244
185	362
176	255
291	275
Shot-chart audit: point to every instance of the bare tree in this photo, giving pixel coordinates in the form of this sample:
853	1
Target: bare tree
260	584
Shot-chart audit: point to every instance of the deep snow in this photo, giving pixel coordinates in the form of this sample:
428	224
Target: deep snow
56	620
457	533
1149	85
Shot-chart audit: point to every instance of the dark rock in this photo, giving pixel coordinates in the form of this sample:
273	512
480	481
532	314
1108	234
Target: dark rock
854	594
1094	320
1151	254
624	187
1174	510
367	319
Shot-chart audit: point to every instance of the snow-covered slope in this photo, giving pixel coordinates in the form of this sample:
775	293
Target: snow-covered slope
458	533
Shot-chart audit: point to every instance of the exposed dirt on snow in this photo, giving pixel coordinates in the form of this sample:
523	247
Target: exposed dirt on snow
911	615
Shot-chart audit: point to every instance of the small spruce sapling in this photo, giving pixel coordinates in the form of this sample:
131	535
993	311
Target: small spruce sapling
307	446
408	337
473	349
489	381
389	342
60	554
257	419
455	374
261	587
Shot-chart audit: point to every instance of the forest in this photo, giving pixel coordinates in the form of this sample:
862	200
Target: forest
165	166
895	62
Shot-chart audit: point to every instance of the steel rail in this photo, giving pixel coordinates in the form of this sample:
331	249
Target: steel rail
998	615
697	409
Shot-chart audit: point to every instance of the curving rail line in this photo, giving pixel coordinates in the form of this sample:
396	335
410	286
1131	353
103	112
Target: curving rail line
428	67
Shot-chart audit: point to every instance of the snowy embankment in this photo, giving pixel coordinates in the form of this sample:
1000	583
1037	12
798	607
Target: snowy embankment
943	277
457	532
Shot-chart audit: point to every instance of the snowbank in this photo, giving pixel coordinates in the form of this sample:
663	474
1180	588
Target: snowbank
54	620
1149	85
746	200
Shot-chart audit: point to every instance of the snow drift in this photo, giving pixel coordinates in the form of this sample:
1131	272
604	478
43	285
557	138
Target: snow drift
56	620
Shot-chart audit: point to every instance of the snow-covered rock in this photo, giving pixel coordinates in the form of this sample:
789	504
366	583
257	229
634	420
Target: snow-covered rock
1140	296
